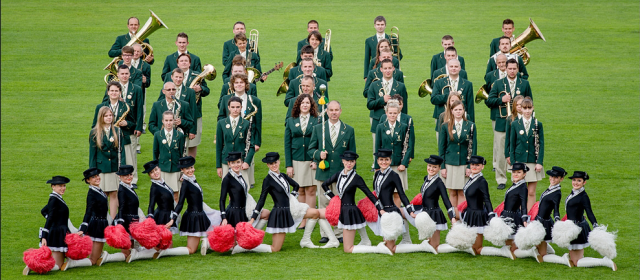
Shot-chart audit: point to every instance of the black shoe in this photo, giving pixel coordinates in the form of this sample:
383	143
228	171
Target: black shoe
139	152
493	170
324	240
340	239
134	186
501	186
301	228
251	187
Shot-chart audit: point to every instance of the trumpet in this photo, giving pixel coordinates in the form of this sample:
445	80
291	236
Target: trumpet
209	73
482	94
327	41
394	38
153	23
425	88
531	33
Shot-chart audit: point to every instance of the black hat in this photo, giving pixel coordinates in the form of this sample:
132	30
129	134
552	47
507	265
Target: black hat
149	166
477	160
520	166
90	173
433	159
384	153
187	161
125	170
349	155
580	174
557	171
233	156
58	180
271	157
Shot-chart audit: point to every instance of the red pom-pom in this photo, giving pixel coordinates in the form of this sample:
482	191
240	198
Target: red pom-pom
166	237
375	194
146	233
499	209
564	218
462	206
39	260
534	210
332	212
221	239
417	200
369	211
79	247
248	236
117	237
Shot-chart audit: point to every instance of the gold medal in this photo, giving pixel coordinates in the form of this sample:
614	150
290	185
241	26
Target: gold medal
521	132
518	91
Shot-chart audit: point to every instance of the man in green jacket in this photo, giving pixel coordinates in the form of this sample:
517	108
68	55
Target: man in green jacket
116	49
371	43
171	62
440	60
312	25
507	30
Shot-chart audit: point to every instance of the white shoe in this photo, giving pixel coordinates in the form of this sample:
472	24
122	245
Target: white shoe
364	238
550	249
237	249
326	228
428	247
103	257
141	254
411	248
549	258
117	257
261	223
179	251
75	263
363	249
306	242
204	246
26	270
406	235
499	252
591	262
383	249
262	248
446	248
531	253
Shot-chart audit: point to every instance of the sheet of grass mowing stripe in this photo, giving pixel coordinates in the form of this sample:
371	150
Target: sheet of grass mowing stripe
584	80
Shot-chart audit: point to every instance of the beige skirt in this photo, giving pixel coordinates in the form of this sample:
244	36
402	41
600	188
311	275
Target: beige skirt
109	182
303	174
532	175
196	141
456	176
172	179
404	177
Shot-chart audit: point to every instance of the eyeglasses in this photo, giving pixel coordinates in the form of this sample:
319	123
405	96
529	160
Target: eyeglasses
170	89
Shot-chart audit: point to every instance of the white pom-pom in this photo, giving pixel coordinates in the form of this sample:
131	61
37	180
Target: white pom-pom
461	236
530	236
425	225
298	210
250	205
564	232
391	225
603	242
498	231
215	217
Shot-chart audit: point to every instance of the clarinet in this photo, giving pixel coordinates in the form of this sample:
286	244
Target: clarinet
537	140
406	139
470	147
249	117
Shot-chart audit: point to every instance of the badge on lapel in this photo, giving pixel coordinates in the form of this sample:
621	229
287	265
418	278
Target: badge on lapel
521	132
240	135
453	131
297	125
164	141
111	139
388	132
228	126
344	144
518	91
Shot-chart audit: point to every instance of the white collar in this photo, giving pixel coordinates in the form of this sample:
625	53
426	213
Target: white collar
394	124
459	122
337	124
473	176
384	172
348	173
277	174
131	34
456	79
527	120
179	53
235	119
243	96
168	132
514	79
390	80
159	182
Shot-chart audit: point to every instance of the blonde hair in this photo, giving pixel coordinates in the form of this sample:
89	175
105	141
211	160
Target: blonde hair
98	130
514	108
392	103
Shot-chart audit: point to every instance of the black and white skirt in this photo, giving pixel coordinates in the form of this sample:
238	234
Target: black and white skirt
55	239
376	227
194	224
96	227
236	215
281	221
581	241
476	219
351	217
162	217
548	225
516	221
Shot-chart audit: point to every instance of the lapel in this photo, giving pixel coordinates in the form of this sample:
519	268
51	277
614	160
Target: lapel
327	137
441	57
163	136
341	133
238	126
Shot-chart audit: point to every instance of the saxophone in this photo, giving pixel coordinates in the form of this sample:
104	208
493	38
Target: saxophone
406	139
470	147
123	115
249	117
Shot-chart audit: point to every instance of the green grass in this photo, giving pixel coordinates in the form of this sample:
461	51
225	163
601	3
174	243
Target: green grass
584	79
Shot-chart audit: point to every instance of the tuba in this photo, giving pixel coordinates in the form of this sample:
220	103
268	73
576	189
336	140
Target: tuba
284	87
482	94
425	88
153	23
209	73
252	72
327	41
394	39
531	33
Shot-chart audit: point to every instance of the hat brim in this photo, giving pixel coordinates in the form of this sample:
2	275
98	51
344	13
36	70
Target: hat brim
269	160
123	173
151	168
186	165
57	182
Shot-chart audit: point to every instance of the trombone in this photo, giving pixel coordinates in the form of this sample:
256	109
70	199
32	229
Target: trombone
327	41
252	72
394	38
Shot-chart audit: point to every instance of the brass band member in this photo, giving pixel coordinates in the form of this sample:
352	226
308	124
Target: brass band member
230	46
116	49
370	44
320	56
505	46
242	50
449	54
439	60
237	68
376	73
170	63
318	71
312	25
507	31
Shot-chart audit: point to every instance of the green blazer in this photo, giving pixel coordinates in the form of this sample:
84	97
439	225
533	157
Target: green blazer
443	70
228	141
121	41
454	152
325	62
404	118
225	91
522	146
377	73
145	68
159	107
438	61
394	142
439	97
507	136
203	93
494	102
256	121
394	61
294	90
346	141
305	42
106	157
491	65
135	100
228	48
376	103
255	61
168	154
135	75
370	45
318	72
493	76
171	63
296	142
188	95
122	108
292	101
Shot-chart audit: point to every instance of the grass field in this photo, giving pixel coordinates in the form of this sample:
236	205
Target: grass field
585	80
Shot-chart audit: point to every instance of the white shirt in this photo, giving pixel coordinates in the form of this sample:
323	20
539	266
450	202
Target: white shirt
306	120
455	82
389	85
281	179
502	74
125	88
238	178
107	129
236	120
392	126
168	134
380	37
186	75
512	88
135	62
337	124
244	54
244	103
114	108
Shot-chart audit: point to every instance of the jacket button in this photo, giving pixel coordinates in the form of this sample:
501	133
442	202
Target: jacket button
302	145
109	159
526	151
527	142
458	152
169	159
108	151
